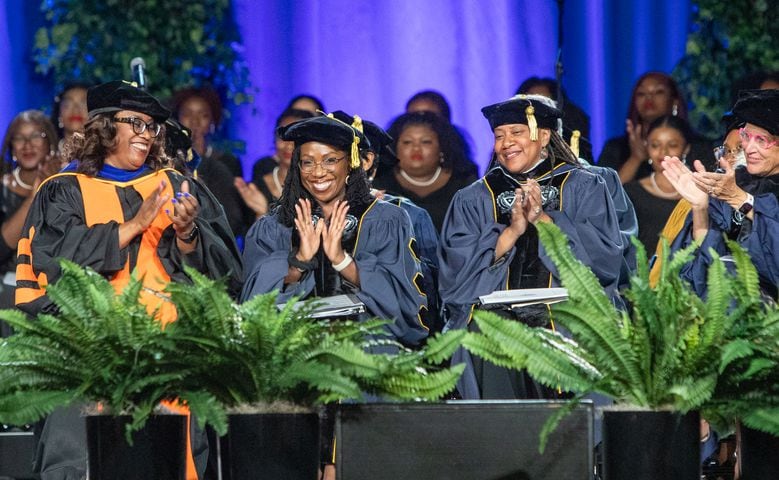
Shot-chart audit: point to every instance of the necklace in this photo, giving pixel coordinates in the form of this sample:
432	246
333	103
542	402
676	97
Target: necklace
423	183
661	193
18	179
276	178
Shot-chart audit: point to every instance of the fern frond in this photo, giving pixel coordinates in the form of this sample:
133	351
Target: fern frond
442	346
206	409
29	406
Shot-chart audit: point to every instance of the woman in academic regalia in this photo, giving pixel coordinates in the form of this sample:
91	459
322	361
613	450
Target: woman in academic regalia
740	204
118	208
329	236
489	240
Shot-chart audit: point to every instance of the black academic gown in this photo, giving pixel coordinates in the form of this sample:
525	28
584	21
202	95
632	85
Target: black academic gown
57	227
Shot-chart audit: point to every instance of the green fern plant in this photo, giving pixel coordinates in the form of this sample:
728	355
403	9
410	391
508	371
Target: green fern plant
670	351
96	347
257	353
107	348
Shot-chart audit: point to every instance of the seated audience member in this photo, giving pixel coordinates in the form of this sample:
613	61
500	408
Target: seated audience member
430	165
29	153
654	197
200	110
432	101
69	111
654	95
574	117
269	173
308	103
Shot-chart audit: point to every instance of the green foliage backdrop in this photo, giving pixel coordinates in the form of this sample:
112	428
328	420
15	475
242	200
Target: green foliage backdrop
729	39
183	43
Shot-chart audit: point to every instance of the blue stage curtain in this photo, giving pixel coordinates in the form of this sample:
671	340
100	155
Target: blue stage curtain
369	57
22	88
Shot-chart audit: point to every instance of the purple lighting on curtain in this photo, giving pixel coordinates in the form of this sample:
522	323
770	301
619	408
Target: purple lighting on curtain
368	58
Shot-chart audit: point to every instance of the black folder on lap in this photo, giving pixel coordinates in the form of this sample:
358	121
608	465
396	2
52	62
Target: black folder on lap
474	440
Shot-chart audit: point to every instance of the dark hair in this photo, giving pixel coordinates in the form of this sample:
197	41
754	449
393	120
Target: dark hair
295	113
208	94
99	140
437	98
304	96
669	121
358	191
35	117
449	141
670	83
56	106
533	82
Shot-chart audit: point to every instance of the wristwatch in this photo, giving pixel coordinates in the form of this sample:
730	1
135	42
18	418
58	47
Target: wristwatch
743	210
192	235
748	204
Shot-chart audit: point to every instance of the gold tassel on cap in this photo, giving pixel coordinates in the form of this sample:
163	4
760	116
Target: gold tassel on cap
575	142
355	153
357	124
531	122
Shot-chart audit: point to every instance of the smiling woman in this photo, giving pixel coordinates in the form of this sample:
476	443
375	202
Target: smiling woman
329	236
490	242
741	203
119	209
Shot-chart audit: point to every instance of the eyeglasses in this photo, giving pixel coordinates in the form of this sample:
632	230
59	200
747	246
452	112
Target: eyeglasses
139	126
724	152
762	142
328	164
37	139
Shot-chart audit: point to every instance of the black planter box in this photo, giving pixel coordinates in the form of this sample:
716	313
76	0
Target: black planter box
648	445
158	450
759	454
495	440
271	446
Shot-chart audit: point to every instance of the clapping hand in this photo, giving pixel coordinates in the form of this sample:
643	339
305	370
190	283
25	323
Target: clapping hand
185	211
252	196
719	185
684	182
636	140
310	234
331	235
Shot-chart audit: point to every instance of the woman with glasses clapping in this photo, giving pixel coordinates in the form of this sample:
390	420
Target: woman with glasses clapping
327	235
740	204
119	208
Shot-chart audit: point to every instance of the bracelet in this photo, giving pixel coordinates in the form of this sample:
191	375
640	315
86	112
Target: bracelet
338	267
191	236
300	265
